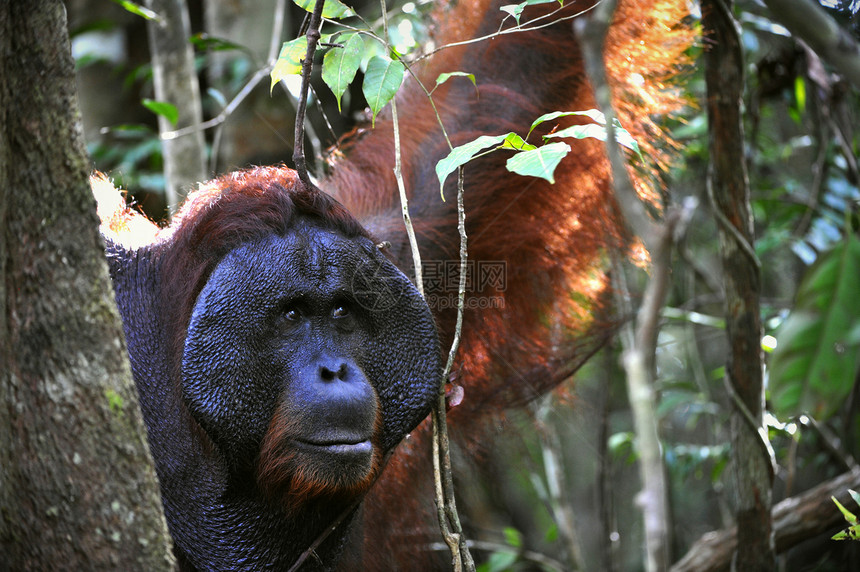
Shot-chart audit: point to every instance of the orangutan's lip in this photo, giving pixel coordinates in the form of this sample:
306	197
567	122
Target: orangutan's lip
364	447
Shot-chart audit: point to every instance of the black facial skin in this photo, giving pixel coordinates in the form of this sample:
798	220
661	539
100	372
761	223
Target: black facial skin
311	346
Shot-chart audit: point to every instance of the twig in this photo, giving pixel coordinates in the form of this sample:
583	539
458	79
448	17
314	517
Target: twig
277	29
404	202
639	346
449	520
529	26
558	504
461	554
313	35
528	555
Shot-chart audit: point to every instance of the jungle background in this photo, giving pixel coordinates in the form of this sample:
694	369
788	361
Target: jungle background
559	490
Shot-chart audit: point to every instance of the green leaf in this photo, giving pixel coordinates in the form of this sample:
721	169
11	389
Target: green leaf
853	531
591	130
166	110
461	155
381	82
815	362
513	537
331	9
800	93
514	141
594	131
850	533
500	561
516	10
594	114
289	60
850	518
443	77
341	64
138	10
540	162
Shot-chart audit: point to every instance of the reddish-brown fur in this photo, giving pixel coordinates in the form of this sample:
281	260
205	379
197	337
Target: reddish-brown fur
553	238
285	476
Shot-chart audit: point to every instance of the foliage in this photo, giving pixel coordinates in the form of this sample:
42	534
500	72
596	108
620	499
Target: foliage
381	82
813	367
529	159
162	108
853	530
384	74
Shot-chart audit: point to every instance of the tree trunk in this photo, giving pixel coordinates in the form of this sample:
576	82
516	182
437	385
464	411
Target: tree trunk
752	468
176	83
77	486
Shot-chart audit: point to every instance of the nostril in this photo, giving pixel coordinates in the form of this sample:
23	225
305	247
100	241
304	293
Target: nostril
329	374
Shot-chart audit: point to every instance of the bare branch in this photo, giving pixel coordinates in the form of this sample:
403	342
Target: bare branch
795	519
313	35
639	352
809	22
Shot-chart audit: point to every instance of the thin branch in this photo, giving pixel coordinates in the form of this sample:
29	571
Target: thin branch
259	75
176	83
404	201
313	35
447	512
528	555
449	521
461	554
559	504
529	26
639	347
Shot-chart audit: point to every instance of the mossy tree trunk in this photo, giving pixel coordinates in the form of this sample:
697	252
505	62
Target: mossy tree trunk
77	486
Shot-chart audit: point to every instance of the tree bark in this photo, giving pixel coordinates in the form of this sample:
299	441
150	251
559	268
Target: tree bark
176	83
77	486
752	468
795	519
